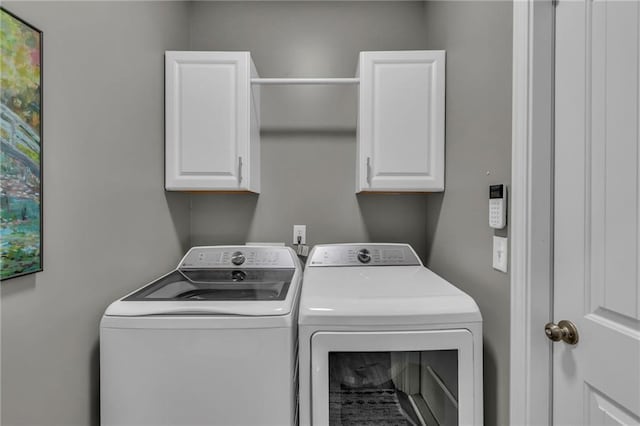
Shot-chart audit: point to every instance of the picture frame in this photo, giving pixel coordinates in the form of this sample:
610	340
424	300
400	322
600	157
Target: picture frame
20	147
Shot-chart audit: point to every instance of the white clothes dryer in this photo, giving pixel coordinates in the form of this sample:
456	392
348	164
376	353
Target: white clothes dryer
385	341
213	342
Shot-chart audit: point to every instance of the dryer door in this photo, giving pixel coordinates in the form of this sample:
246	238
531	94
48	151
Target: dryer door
393	378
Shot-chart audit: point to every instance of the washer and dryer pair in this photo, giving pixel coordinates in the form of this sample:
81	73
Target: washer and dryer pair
382	341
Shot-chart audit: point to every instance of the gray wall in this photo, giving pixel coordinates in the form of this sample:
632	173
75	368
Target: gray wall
309	146
477	37
108	225
308	137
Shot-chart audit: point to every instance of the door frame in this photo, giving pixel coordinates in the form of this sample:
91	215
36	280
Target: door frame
532	212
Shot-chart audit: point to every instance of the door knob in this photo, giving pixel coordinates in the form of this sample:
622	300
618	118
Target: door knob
564	330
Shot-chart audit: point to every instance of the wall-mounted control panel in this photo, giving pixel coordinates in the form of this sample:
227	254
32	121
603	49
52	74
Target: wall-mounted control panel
497	206
236	257
363	255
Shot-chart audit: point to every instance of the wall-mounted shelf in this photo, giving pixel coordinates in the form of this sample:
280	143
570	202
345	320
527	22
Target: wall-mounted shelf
213	120
305	81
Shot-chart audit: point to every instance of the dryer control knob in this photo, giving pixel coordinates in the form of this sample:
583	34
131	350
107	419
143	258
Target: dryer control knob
364	256
237	258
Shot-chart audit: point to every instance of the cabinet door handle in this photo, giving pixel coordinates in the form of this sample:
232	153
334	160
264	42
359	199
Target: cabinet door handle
239	170
369	170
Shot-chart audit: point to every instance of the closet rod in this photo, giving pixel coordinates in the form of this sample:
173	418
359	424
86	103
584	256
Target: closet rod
305	81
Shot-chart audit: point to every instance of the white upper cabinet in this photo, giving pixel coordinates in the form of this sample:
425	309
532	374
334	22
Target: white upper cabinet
212	122
401	121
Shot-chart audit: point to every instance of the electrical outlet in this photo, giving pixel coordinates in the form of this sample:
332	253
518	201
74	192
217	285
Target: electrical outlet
299	234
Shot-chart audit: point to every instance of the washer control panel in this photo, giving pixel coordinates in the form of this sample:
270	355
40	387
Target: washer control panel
363	255
238	258
234	256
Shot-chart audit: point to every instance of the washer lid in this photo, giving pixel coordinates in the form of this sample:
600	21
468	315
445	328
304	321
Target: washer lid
217	284
386	295
214	292
205	284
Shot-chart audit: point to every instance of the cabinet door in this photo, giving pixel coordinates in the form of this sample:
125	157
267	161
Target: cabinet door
401	121
208	119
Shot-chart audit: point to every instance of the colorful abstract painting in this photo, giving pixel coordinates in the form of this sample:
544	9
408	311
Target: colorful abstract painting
20	147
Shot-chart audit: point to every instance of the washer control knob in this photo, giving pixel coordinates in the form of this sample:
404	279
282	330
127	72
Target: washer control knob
238	276
237	258
364	256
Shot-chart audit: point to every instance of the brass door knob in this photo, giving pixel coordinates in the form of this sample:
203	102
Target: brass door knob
564	330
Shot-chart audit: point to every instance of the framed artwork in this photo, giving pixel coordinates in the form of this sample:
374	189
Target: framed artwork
20	147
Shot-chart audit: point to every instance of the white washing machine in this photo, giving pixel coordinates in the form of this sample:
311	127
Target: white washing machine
385	341
212	343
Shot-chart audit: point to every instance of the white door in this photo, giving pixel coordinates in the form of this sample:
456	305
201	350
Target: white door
597	212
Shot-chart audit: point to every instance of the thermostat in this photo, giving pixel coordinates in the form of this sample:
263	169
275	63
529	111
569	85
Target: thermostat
497	206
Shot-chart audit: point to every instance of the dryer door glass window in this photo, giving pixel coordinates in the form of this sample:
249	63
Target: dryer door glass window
218	284
403	388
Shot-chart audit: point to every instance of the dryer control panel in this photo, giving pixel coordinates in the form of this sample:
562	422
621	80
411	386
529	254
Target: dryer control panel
236	257
363	255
